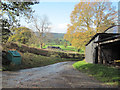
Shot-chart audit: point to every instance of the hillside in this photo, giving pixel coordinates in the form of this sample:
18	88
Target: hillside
58	35
55	35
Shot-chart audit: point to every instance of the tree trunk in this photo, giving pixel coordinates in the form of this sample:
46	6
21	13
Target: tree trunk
41	45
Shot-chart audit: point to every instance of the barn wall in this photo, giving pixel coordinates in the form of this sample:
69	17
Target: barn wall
90	52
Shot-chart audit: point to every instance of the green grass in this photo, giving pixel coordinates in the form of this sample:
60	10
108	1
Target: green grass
108	75
30	60
68	48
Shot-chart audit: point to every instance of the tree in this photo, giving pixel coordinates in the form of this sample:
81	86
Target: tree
42	26
105	16
89	18
21	35
65	44
5	31
9	13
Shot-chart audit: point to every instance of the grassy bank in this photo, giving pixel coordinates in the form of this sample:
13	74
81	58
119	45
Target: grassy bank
106	74
30	60
44	52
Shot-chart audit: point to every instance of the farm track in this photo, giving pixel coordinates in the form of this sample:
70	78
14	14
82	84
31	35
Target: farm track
59	75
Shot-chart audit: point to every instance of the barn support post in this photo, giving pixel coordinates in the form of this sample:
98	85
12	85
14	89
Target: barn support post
104	57
98	53
101	55
100	60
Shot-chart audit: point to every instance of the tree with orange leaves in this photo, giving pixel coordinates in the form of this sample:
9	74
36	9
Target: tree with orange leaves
89	18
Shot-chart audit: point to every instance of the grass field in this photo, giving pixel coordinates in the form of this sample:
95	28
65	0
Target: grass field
68	48
108	75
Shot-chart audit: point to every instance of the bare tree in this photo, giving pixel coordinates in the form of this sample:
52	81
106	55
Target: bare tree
42	26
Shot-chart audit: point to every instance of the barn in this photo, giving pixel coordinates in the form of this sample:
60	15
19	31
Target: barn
104	47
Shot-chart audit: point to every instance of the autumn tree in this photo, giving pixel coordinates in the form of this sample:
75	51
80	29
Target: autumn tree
104	16
89	18
42	26
10	11
65	44
21	35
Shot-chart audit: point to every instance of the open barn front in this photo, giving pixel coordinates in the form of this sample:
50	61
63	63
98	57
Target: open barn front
109	53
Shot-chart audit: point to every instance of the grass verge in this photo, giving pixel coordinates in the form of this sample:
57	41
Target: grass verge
108	75
30	60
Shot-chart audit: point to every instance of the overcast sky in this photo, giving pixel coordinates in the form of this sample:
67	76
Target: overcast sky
58	14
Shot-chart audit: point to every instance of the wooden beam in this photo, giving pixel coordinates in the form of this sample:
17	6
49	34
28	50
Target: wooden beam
99	53
110	41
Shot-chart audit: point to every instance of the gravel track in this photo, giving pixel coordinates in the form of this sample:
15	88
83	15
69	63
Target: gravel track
59	75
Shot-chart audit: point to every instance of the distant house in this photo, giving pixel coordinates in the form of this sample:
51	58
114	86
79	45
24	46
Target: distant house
104	47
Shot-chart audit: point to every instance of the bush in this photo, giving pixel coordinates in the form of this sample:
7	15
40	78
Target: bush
5	61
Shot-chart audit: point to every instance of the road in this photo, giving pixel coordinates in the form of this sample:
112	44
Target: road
59	75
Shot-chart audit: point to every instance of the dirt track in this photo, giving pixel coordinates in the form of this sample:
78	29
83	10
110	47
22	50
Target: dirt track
60	75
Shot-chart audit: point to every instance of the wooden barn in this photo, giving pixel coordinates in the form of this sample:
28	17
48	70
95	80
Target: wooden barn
104	47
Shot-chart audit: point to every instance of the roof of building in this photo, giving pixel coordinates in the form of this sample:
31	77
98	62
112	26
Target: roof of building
110	27
109	38
112	34
103	35
93	38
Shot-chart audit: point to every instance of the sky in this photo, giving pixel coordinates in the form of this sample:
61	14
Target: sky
58	14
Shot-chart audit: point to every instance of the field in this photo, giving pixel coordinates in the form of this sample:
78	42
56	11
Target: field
68	48
106	74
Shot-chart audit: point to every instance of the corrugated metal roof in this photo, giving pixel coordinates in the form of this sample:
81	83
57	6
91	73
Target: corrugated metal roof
109	38
112	34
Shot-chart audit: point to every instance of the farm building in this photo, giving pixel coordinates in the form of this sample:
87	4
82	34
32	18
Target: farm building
104	47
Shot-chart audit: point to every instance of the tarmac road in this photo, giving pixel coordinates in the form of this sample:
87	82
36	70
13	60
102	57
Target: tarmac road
59	75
